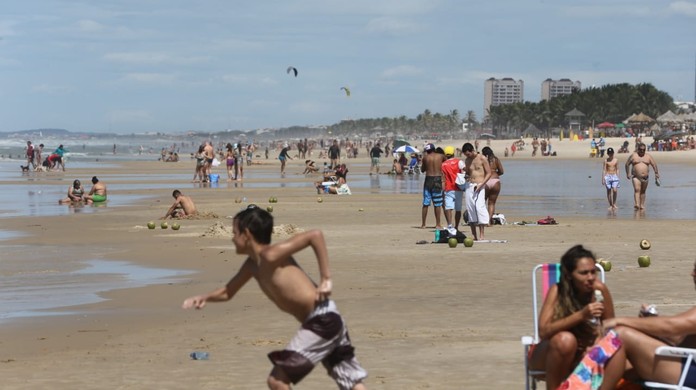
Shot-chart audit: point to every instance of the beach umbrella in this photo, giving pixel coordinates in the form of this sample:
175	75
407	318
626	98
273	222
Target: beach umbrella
605	125
640	118
406	149
669	134
399	142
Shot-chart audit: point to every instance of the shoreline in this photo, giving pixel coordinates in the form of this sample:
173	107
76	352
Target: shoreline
388	288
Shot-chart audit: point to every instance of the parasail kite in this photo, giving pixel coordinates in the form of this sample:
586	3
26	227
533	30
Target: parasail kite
347	91
292	69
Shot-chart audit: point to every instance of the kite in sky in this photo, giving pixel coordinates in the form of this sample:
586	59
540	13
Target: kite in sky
347	91
292	69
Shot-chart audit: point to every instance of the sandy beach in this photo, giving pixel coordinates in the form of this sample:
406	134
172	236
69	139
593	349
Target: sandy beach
420	316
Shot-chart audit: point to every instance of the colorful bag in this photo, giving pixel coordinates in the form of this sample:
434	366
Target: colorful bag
547	221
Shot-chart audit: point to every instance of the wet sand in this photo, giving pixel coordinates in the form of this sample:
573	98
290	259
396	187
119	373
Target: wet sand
420	316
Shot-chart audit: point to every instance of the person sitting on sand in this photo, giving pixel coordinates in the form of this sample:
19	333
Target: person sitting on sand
98	192
183	207
570	321
76	194
310	167
397	169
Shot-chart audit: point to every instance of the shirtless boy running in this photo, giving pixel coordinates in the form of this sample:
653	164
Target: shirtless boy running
640	163
323	336
610	178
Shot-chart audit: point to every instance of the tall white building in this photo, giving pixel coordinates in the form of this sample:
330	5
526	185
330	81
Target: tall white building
553	88
501	91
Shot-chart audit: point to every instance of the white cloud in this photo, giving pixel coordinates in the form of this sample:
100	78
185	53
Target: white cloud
130	115
239	79
620	11
392	26
90	26
145	58
50	89
686	8
149	78
308	107
7	28
401	71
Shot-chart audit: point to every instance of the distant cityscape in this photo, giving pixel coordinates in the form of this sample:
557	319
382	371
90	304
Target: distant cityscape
508	91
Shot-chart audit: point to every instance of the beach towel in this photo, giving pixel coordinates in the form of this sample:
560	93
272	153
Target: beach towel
590	372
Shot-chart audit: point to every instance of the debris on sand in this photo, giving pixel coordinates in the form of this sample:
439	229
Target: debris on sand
286	230
218	229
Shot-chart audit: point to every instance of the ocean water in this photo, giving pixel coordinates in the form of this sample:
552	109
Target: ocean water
531	189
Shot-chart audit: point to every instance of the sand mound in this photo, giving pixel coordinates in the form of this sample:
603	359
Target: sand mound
203	215
286	230
218	229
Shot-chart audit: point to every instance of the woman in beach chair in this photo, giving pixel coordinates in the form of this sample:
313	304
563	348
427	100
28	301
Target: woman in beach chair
570	321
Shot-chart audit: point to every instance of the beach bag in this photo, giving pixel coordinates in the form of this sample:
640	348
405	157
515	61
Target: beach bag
460	181
442	237
498	219
547	221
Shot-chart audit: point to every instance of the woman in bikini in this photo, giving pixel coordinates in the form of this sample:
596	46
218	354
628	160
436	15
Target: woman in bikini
200	165
493	184
229	158
570	322
75	194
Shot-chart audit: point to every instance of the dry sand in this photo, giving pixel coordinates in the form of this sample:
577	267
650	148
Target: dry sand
420	316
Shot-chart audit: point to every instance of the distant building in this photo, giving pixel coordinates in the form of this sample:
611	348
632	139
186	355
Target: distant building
501	91
553	88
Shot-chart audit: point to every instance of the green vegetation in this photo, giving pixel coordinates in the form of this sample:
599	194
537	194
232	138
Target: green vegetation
613	103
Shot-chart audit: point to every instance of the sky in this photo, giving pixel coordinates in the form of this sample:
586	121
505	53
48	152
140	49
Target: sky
134	66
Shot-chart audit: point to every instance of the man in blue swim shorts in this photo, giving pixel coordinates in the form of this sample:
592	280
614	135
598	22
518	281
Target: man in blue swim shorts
610	178
432	187
642	335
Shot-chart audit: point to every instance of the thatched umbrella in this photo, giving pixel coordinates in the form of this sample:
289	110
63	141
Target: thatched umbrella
640	118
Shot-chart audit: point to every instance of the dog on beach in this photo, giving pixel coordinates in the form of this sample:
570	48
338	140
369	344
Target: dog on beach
24	169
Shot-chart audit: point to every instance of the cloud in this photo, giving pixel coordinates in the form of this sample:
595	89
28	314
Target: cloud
150	78
151	58
392	26
307	107
401	71
130	115
90	26
7	28
240	79
625	10
686	8
51	89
